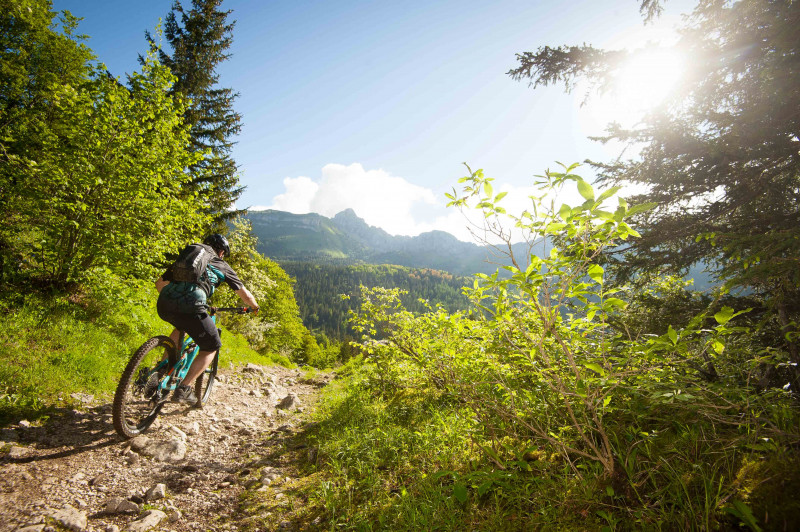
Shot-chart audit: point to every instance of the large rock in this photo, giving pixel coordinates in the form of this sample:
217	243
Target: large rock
139	442
118	505
30	528
83	397
290	401
70	518
162	450
157	492
149	519
17	452
253	368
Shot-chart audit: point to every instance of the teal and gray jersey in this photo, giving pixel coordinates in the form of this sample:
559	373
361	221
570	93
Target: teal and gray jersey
191	298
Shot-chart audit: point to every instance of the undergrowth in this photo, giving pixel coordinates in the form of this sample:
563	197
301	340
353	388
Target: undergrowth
57	345
548	407
410	461
407	462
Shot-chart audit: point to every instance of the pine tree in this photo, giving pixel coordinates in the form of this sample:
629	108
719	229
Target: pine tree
721	158
200	38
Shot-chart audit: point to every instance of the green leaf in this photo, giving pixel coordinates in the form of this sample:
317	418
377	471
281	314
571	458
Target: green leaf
500	196
724	315
487	187
642	207
485	487
608	193
460	493
672	335
718	346
610	303
596	273
554	228
743	512
585	190
440	474
565	211
628	231
597	368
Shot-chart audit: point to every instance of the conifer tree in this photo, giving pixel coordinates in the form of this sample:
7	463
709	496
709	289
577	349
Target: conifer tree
200	38
721	158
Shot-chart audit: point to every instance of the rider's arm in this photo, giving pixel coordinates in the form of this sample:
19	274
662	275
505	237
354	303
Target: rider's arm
247	298
161	283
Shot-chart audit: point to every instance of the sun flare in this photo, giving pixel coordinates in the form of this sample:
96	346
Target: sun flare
653	70
647	78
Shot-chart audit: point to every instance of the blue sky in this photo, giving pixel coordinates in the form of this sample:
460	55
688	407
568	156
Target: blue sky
375	105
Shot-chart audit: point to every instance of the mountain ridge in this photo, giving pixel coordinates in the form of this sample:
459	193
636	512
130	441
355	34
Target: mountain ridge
348	239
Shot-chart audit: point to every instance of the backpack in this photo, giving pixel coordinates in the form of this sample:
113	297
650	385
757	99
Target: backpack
190	266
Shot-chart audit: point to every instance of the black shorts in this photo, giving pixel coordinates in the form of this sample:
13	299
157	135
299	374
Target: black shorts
200	327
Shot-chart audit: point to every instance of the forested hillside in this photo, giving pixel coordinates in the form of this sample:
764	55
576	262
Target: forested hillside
319	289
347	239
102	182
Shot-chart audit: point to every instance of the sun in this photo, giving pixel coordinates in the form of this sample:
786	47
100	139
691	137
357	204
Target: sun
638	87
647	78
653	69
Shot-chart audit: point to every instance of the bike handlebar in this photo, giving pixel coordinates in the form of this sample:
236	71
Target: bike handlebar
237	310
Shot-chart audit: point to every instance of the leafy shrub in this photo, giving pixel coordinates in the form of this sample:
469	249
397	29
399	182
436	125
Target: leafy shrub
549	367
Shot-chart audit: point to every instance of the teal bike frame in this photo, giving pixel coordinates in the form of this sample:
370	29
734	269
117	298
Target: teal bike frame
149	377
173	376
177	371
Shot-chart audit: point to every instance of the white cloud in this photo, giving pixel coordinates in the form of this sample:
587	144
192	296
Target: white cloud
300	191
381	199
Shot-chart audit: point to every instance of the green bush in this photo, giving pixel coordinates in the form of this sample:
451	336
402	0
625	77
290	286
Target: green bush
546	385
57	345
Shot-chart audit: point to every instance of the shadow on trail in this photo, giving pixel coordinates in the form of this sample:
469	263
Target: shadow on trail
71	432
65	433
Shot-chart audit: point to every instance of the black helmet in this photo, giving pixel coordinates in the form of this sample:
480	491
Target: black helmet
218	242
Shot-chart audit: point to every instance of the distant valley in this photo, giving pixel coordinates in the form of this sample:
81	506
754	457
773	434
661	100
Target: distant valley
333	256
346	239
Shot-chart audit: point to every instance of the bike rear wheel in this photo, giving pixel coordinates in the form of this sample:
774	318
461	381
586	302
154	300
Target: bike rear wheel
205	382
138	399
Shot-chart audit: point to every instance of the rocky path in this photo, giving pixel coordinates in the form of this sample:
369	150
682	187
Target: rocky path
187	473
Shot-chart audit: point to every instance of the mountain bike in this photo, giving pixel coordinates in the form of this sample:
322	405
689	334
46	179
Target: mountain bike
153	372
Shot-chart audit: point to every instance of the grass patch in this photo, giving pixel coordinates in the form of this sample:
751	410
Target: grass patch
237	352
407	462
413	461
55	346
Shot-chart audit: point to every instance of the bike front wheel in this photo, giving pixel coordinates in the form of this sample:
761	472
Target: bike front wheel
205	382
140	396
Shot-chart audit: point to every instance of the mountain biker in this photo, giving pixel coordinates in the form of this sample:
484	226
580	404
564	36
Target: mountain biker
183	304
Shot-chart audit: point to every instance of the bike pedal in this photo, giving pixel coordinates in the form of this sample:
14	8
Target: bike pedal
161	396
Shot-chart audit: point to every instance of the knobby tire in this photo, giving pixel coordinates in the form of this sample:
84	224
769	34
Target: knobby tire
203	386
133	413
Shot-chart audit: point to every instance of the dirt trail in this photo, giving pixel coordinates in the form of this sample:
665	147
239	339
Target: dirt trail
74	472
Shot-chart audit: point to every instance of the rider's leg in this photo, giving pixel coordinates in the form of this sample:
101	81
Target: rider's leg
204	332
199	365
175	336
